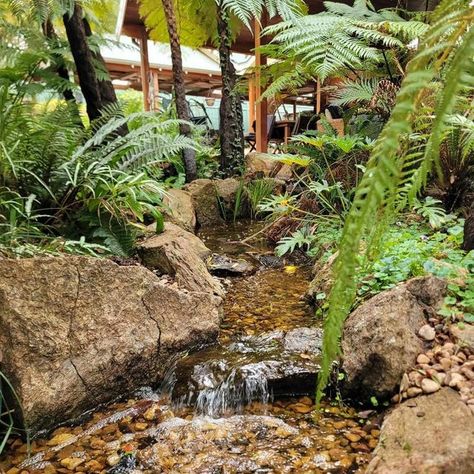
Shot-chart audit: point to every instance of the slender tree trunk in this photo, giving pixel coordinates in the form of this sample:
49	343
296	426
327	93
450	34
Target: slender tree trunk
106	88
84	61
189	156
231	131
61	70
97	93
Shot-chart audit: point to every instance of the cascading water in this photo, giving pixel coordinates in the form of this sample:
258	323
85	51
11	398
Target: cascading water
220	409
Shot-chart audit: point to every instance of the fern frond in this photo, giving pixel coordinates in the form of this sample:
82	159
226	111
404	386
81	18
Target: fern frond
390	172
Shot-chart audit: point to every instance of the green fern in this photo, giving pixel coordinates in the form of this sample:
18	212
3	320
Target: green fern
393	176
344	38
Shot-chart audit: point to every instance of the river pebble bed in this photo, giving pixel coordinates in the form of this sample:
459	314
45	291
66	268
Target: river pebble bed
151	433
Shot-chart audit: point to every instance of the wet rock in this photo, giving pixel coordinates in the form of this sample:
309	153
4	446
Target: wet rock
270	261
192	446
71	463
204	196
232	198
113	459
181	255
79	331
322	281
222	265
440	441
380	341
179	208
221	378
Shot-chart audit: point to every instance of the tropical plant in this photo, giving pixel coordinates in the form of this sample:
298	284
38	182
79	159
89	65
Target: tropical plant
57	178
257	191
196	25
438	78
27	19
365	47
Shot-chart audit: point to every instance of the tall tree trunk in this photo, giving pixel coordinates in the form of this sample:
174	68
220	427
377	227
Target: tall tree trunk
189	156
97	93
84	61
106	88
61	70
231	130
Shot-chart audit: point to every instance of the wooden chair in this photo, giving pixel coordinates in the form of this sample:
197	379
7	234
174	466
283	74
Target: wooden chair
251	137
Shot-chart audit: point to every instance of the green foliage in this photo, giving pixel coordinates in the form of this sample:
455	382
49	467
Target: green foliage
316	240
197	19
6	413
343	41
459	305
59	179
431	210
397	170
333	158
257	191
408	251
303	239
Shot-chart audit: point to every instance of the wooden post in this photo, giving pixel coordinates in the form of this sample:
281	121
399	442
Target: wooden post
251	103
156	92
261	106
318	97
145	70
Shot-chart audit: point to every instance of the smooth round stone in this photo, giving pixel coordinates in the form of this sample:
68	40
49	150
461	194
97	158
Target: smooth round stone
427	332
429	386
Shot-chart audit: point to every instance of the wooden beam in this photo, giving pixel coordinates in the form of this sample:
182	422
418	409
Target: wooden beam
261	105
251	103
318	97
156	91
145	71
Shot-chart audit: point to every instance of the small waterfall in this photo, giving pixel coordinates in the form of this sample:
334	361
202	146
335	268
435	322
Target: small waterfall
223	379
237	389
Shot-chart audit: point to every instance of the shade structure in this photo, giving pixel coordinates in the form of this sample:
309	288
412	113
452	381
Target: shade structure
130	23
131	65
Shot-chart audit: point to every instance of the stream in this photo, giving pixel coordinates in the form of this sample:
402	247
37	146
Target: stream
242	405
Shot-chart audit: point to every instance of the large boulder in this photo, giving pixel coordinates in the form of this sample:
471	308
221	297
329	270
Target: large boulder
179	208
204	196
232	197
77	331
429	434
262	164
380	340
181	255
322	282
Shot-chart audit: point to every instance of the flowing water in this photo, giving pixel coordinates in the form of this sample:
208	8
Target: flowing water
243	405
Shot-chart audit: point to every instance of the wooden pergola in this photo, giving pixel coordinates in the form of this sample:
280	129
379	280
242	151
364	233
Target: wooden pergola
149	69
129	23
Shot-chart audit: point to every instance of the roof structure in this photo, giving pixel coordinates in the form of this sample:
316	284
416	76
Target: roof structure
123	60
131	24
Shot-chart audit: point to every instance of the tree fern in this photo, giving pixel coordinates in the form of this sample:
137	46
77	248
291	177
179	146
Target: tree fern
445	56
355	92
344	38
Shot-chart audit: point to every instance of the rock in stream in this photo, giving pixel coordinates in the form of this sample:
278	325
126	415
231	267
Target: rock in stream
226	377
